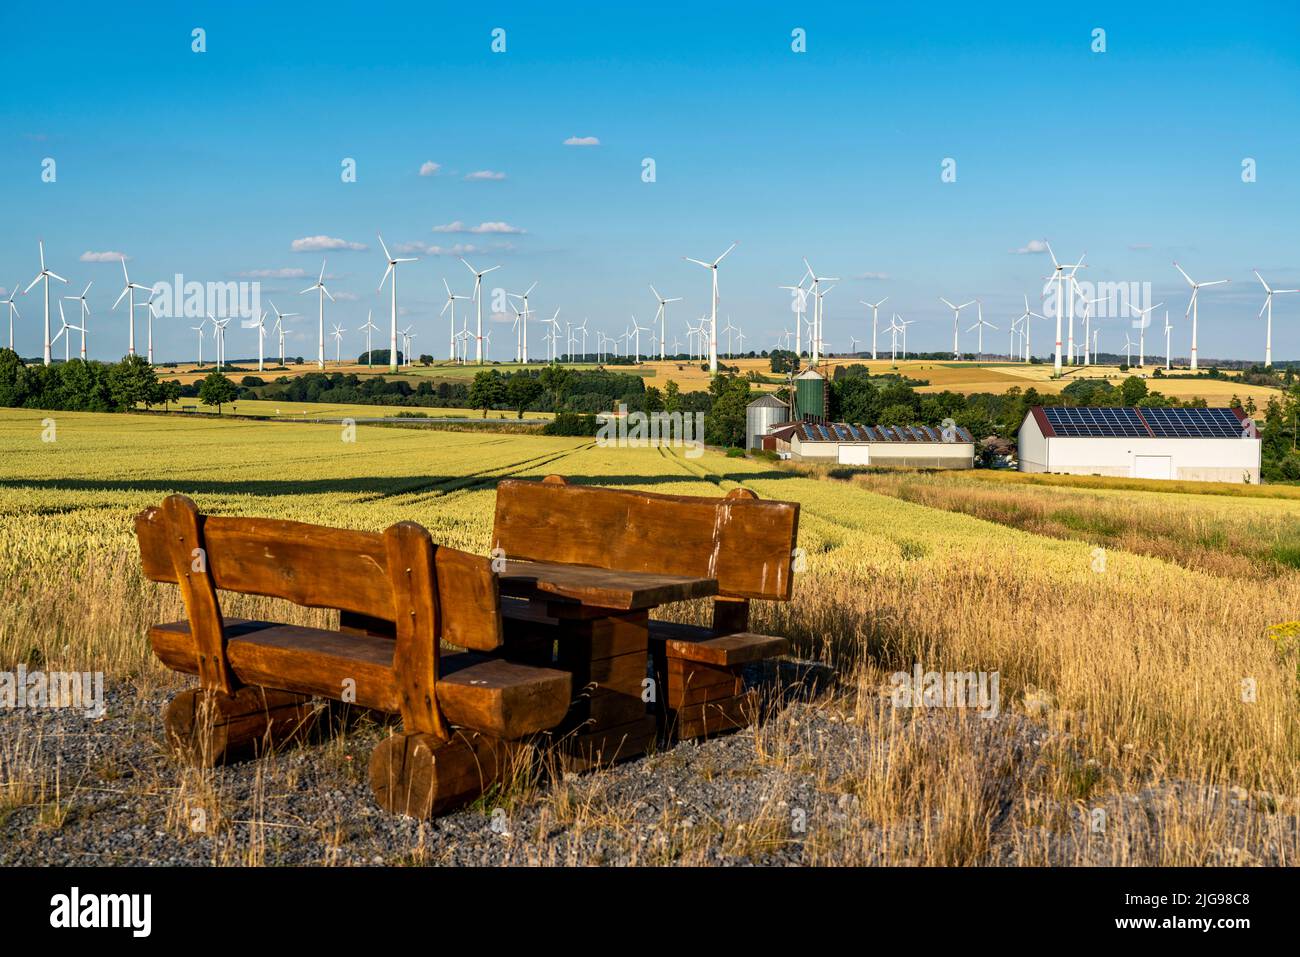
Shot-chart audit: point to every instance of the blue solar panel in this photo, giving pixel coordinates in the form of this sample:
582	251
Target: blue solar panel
1071	422
1193	423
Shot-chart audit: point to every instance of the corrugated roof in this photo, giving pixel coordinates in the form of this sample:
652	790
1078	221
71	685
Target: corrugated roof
843	432
767	402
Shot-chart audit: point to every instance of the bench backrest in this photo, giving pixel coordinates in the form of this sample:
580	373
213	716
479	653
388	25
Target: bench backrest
321	567
742	541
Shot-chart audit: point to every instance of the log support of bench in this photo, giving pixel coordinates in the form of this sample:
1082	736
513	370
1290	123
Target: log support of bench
208	728
422	776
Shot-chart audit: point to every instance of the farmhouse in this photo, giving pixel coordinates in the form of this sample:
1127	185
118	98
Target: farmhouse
1203	445
917	446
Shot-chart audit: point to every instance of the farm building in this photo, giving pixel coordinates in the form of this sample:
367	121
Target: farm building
761	416
918	446
1204	445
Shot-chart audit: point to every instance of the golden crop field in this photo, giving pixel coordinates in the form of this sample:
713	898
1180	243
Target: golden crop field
335	410
1126	673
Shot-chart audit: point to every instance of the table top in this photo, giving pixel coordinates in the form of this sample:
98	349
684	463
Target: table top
600	587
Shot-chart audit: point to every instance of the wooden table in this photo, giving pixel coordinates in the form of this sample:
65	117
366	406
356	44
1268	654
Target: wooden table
593	623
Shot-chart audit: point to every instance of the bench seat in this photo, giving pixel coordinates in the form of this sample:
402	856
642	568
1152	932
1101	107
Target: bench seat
476	691
708	646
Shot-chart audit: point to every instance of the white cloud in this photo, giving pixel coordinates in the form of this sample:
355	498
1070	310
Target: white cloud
873	275
582	141
289	273
429	168
482	228
109	256
1033	246
430	249
345	296
313	244
484	174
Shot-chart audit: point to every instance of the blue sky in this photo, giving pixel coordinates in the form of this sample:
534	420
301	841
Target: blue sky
213	164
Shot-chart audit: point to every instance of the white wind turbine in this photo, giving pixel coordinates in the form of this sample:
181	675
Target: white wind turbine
1024	318
740	339
64	328
1011	341
727	330
1128	350
478	300
874	307
392	332
321	293
338	342
554	334
128	292
220	333
1168	354
47	275
662	316
1191	305
800	297
279	323
13	311
406	344
370	327
902	325
199	330
451	321
583	329
1142	330
637	329
815	345
523	299
260	325
1058	276
1268	306
894	329
980	324
1088	358
85	316
151	315
956	328
713	321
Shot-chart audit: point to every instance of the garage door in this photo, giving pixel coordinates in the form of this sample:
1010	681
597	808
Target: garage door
1153	466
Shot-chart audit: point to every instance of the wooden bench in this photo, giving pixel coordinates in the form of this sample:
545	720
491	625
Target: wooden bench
461	713
746	544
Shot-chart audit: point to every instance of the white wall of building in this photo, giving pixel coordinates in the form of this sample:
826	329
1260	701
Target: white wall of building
934	455
1031	446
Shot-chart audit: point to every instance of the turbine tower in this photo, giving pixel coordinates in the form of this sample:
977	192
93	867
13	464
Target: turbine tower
85	316
322	292
1268	306
478	300
980	324
874	307
956	330
370	327
713	321
523	298
128	292
451	322
1191	305
392	333
815	345
662	317
13	311
45	274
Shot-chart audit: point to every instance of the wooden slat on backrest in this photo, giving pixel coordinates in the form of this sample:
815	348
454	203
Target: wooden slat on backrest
310	565
470	600
745	544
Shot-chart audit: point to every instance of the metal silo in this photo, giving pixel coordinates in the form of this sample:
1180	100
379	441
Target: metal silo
760	416
809	395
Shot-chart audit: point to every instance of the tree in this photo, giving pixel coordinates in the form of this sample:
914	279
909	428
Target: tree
725	422
522	391
1132	390
169	392
486	390
672	396
132	382
653	401
217	390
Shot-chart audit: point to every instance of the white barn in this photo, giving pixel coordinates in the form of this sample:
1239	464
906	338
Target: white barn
1199	445
914	446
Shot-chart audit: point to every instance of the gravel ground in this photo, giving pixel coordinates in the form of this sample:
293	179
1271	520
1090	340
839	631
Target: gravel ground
106	792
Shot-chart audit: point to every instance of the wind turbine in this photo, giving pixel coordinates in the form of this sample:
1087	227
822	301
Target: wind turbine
662	316
980	324
816	344
799	309
1142	330
338	342
728	329
956	331
1087	326
1128	350
478	300
451	322
147	305
370	327
199	330
1268	305
1058	276
1011	340
260	325
1191	305
713	321
523	298
1168	354
1025	317
392	333
740	339
583	329
322	292
554	322
45	274
894	329
902	326
13	311
874	307
65	326
279	322
220	334
85	316
128	292
406	344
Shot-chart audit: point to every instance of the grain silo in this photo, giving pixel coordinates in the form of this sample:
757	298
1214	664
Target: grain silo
760	415
809	395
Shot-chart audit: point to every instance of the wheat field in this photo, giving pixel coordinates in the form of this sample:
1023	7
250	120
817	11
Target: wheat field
1128	671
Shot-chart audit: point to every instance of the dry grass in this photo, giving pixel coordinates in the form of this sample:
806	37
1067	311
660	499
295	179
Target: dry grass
1129	680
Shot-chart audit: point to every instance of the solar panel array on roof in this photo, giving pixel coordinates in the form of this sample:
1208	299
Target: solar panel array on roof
1072	422
1193	423
848	432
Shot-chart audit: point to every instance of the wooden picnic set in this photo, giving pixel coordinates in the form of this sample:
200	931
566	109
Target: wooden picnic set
551	637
